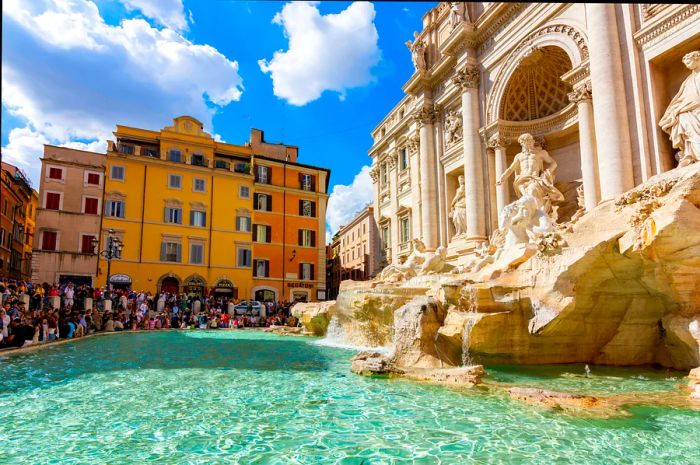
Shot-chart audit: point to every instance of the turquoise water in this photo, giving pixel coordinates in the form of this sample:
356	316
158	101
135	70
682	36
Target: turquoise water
254	398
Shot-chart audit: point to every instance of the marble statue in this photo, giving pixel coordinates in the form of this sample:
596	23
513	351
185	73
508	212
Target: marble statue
453	127
531	177
458	210
682	118
458	13
434	262
409	269
417	48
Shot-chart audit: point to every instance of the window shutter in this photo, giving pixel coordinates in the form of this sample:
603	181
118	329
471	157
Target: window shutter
269	174
313	209
162	251
301	271
301	237
267	268
191	218
313	183
255	201
268	233
313	238
301	180
301	207
255	232
178	251
204	219
312	271
269	203
165	215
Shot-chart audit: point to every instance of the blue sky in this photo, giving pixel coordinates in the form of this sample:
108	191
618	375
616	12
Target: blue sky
72	71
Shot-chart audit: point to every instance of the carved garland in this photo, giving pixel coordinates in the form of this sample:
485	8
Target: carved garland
570	31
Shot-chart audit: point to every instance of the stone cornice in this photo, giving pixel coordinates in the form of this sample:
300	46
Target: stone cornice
513	129
657	30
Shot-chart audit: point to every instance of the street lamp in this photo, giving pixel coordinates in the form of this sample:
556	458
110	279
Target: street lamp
113	250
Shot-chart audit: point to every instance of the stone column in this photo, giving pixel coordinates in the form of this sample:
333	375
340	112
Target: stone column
394	201
468	80
498	144
589	158
425	117
609	102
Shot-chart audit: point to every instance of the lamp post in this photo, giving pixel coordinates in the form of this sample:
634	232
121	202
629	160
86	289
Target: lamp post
113	250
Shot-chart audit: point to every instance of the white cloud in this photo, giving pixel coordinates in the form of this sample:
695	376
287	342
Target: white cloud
169	13
71	77
326	52
346	201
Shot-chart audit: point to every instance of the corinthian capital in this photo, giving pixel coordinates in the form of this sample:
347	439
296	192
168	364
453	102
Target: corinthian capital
497	140
582	92
391	159
468	78
374	173
424	115
413	144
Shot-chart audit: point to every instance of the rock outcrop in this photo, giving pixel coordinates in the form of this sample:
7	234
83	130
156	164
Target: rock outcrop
415	329
314	316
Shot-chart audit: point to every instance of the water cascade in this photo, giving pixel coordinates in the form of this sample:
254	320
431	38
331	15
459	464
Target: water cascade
469	296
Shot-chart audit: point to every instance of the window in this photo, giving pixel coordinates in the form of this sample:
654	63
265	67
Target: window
2	237
263	202
307	182
196	254
405	232
93	179
307	238
241	168
261	268
262	233
306	271
198	159
53	201
86	244
56	173
243	223
244	192
198	219
170	252
126	148
150	152
307	208
173	215
199	185
117	173
262	174
114	208
48	240
221	164
175	155
91	205
385	236
243	257
403	159
174	181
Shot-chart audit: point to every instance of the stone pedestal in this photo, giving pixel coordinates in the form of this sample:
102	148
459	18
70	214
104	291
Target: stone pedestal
196	306
88	303
24	298
55	302
107	303
230	308
160	305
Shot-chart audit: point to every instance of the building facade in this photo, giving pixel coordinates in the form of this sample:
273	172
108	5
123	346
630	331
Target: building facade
200	216
17	209
68	216
588	81
355	251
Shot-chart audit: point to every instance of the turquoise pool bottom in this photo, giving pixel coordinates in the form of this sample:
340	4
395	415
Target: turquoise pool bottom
254	398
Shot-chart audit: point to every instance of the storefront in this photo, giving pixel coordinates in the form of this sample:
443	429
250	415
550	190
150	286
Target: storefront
77	280
120	281
225	288
195	286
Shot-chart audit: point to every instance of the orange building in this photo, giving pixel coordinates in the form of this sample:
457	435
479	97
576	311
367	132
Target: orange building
289	221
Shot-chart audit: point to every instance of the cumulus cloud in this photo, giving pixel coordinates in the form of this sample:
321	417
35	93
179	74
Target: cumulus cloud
71	77
347	200
168	13
332	52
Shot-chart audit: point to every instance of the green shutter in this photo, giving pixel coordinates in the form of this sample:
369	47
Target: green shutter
162	251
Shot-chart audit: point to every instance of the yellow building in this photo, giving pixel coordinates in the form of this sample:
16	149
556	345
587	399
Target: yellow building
181	203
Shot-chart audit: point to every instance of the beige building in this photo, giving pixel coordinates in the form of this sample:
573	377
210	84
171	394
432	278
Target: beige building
589	81
69	215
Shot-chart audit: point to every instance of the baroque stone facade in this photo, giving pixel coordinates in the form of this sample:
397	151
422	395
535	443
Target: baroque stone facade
590	82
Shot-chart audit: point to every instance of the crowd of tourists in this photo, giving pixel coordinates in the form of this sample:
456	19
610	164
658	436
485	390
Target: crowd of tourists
37	314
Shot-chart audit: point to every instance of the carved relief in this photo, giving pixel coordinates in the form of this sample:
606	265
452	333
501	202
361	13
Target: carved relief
413	144
374	173
453	127
496	141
